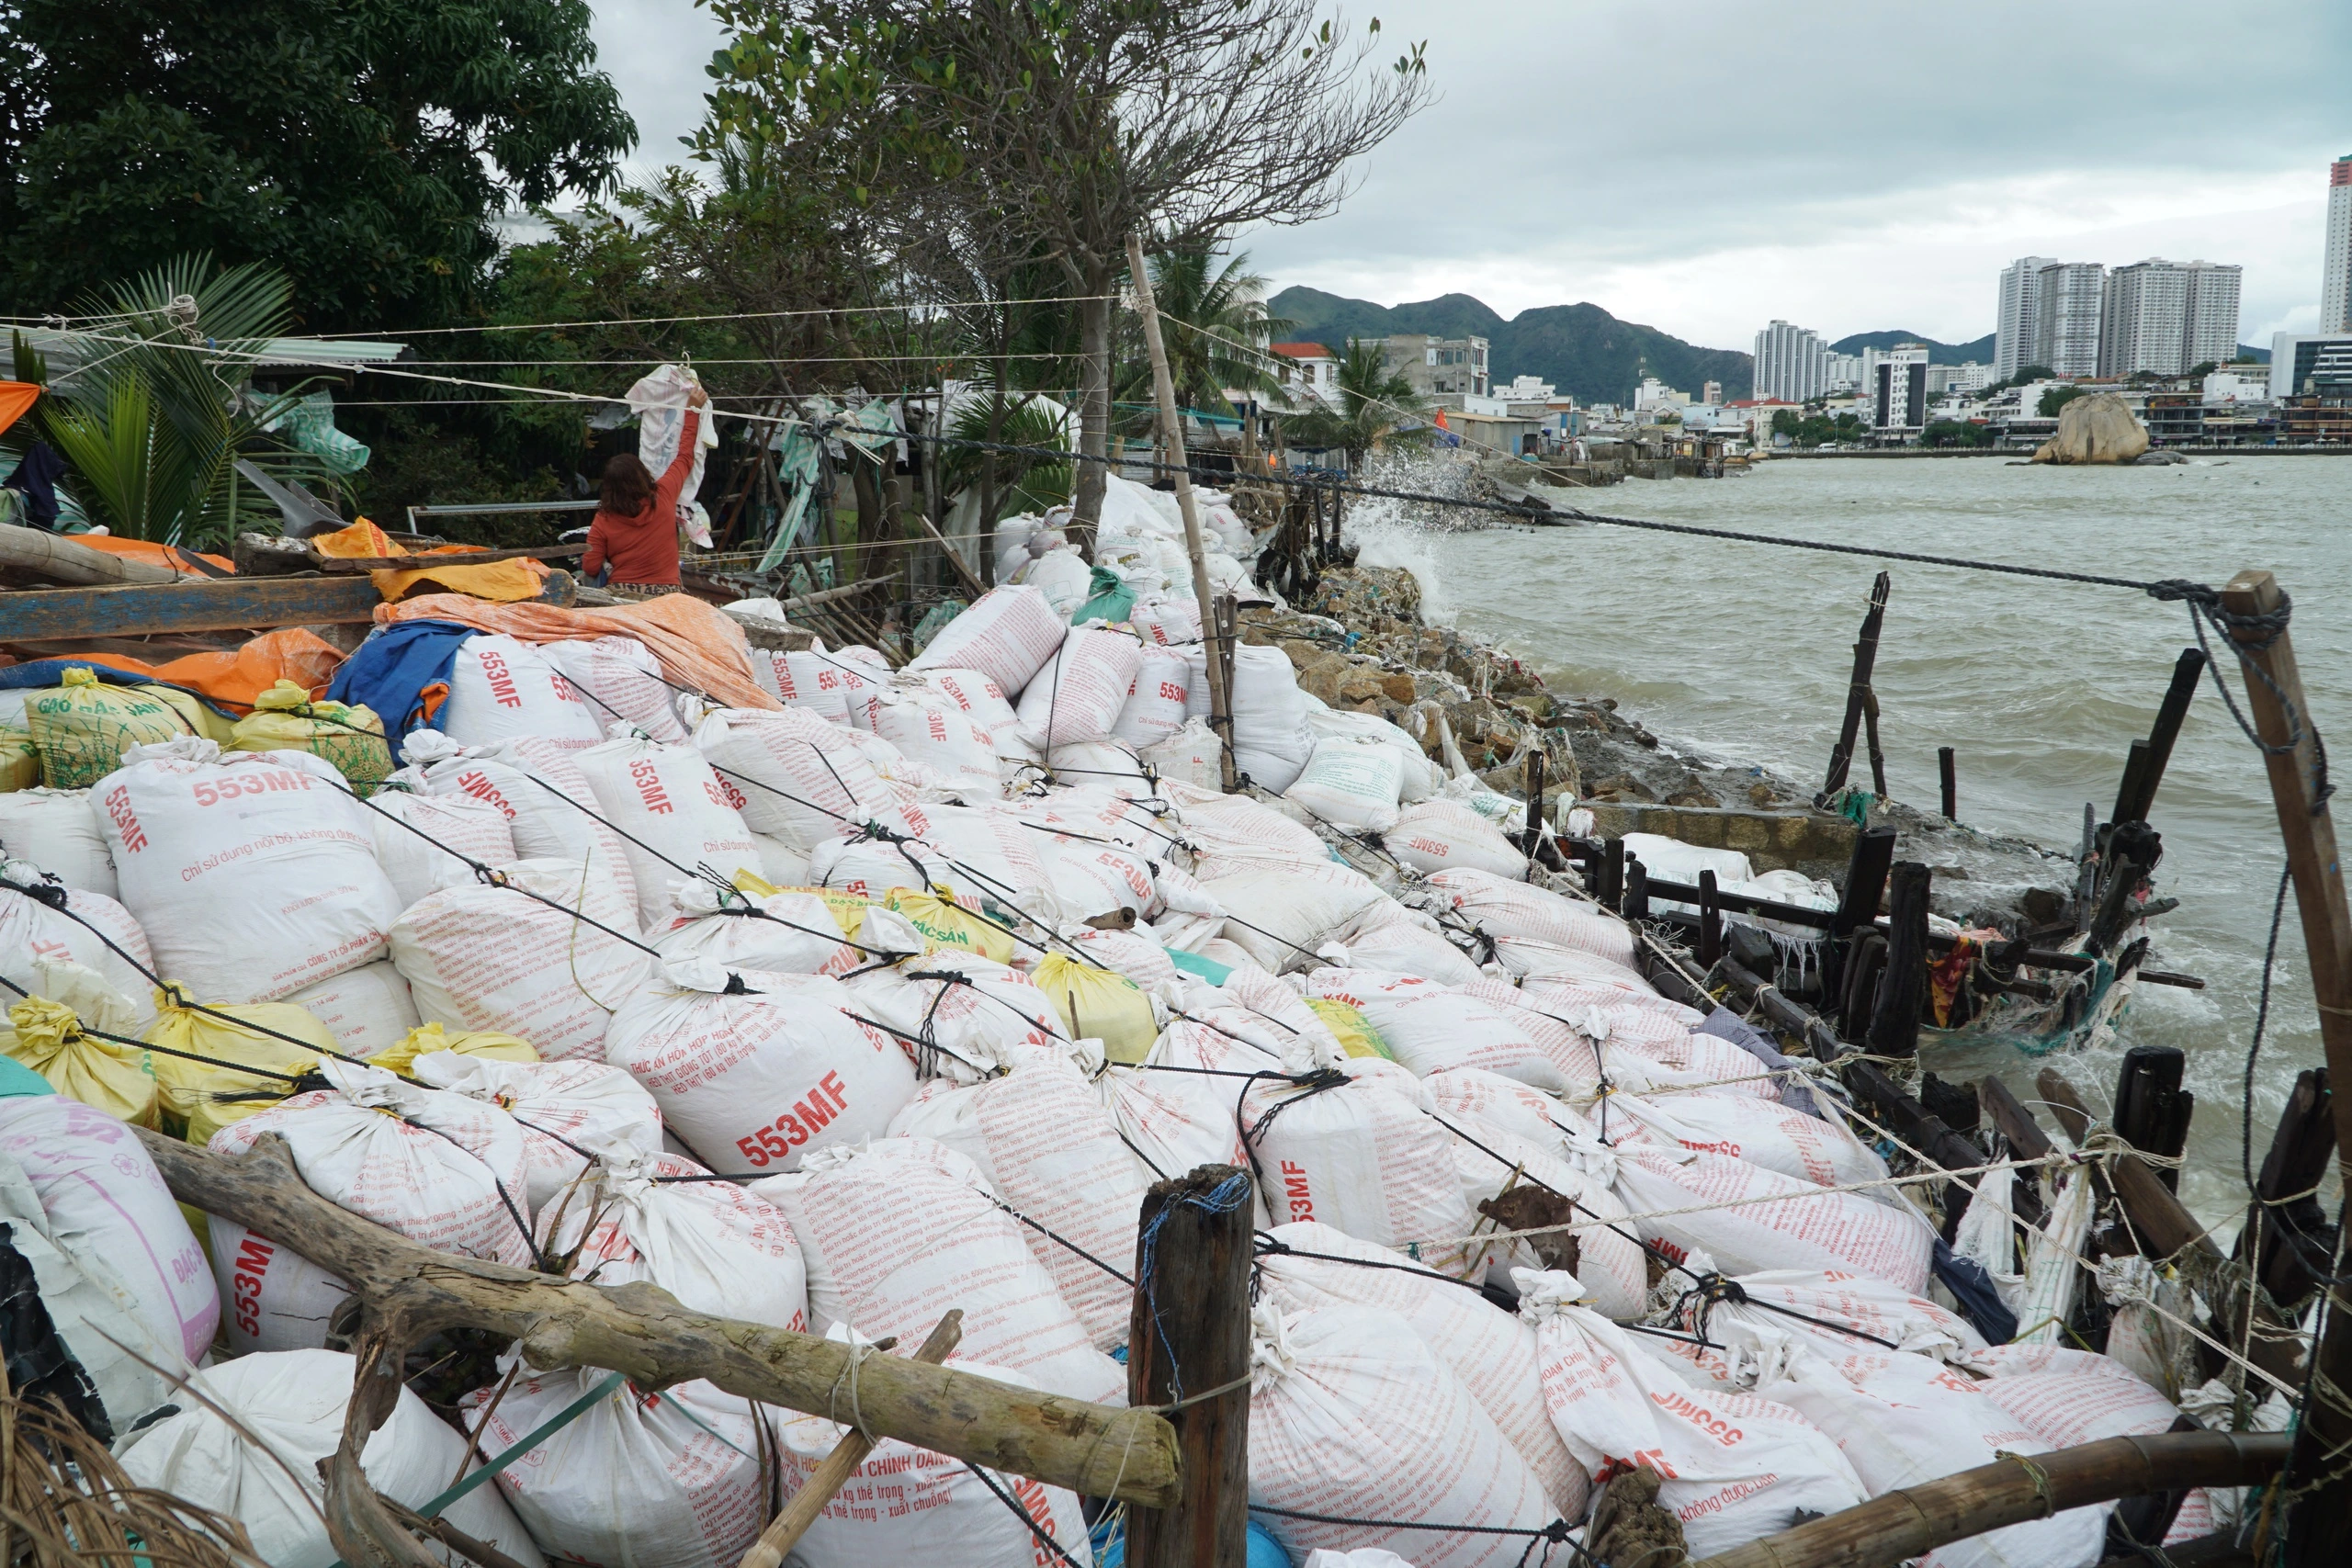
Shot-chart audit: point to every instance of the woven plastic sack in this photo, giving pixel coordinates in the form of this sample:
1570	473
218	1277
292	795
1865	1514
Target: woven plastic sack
939	735
802	779
295	1403
365	1010
621	681
1080	692
417	862
897	1231
1096	1004
973	1016
1174	1122
48	1032
1007	634
671	811
57	830
1352	1416
89	929
1761	1132
1400	948
524	959
1352	784
1154	710
349	738
550	811
2070	1398
1431	1029
979	696
1282	910
787	931
1502	906
1490	1161
1732	1467
271	1298
1166	621
1438	834
1190	756
502	688
252	876
564	1110
83	727
427	1038
1792	1226
755	1070
20	761
716	1247
1309	1266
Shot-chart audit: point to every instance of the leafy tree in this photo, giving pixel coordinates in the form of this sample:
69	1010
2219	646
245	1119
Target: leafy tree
1378	407
2057	398
1214	328
2205	368
1955	432
1816	429
364	146
2027	375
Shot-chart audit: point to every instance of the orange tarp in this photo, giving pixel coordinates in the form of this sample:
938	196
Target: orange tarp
503	580
236	677
149	551
697	644
15	396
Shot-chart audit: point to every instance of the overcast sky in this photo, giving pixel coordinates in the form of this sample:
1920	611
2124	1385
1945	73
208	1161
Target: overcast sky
1847	167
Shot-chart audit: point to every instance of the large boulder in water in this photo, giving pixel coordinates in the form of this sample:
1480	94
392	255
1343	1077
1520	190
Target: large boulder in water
2099	428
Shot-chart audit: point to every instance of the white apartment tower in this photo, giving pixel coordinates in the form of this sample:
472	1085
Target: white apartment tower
2014	326
2066	317
2144	318
2212	314
1900	402
1792	363
2336	280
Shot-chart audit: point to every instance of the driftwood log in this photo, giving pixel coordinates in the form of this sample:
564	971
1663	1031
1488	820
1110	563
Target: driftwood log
1914	1520
408	1291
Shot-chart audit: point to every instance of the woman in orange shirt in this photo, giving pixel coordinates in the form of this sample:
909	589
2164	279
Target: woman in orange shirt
636	526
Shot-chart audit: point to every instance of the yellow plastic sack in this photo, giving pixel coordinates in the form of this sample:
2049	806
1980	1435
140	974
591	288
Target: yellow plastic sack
189	1046
425	1039
199	719
20	761
1098	1004
81	728
285	719
1353	1030
847	909
47	1036
945	924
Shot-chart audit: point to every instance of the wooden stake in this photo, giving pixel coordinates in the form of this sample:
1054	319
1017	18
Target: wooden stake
1944	766
2319	1526
817	1493
1190	1335
1894	1018
2152	1110
1164	389
2297	1160
1865	656
2137	796
1710	921
1638	889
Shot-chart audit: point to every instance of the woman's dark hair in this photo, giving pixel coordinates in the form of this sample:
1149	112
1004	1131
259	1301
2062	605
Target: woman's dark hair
627	488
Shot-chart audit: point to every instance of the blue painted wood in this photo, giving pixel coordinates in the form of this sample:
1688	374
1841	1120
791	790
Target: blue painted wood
227	605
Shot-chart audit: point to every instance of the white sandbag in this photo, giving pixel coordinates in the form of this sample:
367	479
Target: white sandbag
975	1016
1191	756
1438	834
295	1402
671	1480
1007	634
1078	694
1308	1266
903	1504
1400	948
823	683
1836	1312
802	779
1042	1140
790	932
1504	907
671	811
1420	776
1174	1122
502	688
753	1069
498	958
1089	877
1903	1419
1732	1467
2069	1397
1154	710
562	1109
870	868
365	1008
32	933
622	682
897	1231
419	838
1065	581
937	734
1166	621
715	1246
781	863
1761	1132
57	829
979	696
1352	783
1284	911
535	783
1490	1161
1431	1028
271	1298
1671	860
1794	1225
991	855
1109	764
1352	1416
1011	544
1241	825
253	874
97	1181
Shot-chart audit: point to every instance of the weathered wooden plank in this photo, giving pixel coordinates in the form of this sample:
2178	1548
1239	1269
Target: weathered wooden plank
59	558
213	604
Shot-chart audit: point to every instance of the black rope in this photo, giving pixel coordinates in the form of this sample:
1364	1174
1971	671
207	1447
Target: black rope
81	1028
1013	1502
1125	1279
2253	1047
1649	1247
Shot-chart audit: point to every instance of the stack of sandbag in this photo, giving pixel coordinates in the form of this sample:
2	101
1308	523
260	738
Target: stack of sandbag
802	780
57	830
675	816
536	783
622	682
1007	635
562	1110
502	688
1272	740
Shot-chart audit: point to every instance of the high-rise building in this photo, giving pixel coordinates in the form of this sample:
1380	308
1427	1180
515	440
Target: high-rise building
2336	280
1792	363
2144	318
2066	317
1900	405
2212	313
2014	326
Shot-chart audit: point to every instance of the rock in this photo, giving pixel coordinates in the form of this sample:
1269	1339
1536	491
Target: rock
1358	686
1761	794
1692	796
2156	457
2098	428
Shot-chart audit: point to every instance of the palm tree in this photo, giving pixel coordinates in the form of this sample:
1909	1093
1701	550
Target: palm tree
1378	407
1215	329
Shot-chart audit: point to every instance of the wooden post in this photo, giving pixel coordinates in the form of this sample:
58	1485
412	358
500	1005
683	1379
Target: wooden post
2116	909
2132	804
1710	921
1865	882
1534	835
1164	389
2152	1110
1189	1335
1612	875
1637	890
2298	1159
1870	732
2135	778
833	1473
1944	765
2319	1526
1223	649
1865	656
1894	1018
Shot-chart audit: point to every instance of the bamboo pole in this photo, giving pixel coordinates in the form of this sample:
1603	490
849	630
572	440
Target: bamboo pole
1915	1521
1857	689
1164	388
60	559
1093	1450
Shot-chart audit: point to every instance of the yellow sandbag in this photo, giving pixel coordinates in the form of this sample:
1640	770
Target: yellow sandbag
81	728
1095	1003
285	719
47	1036
847	909
1351	1028
425	1039
945	924
199	718
20	761
190	1046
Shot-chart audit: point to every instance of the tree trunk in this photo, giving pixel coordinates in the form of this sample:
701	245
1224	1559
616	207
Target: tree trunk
1094	408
